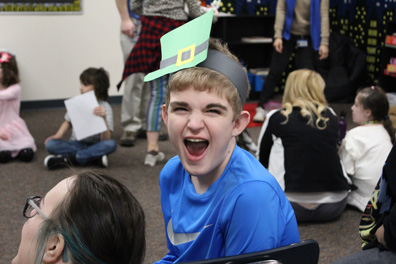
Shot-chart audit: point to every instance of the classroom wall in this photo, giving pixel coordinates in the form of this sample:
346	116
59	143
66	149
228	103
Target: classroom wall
52	50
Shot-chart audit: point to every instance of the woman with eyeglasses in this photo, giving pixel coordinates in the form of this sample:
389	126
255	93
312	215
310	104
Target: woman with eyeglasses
86	218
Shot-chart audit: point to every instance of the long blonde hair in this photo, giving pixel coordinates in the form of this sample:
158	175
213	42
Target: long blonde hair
305	89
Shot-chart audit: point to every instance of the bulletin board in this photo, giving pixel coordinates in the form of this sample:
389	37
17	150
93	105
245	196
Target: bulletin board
41	7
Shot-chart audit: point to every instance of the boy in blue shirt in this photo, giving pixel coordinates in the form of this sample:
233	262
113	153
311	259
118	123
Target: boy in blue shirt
217	199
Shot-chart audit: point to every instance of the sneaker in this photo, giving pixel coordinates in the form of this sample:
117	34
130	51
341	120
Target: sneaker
102	161
128	139
105	161
152	157
260	114
55	162
26	154
5	156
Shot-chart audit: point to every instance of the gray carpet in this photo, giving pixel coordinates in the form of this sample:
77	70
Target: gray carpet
21	180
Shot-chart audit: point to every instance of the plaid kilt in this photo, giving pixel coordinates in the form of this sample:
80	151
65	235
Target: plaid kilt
146	55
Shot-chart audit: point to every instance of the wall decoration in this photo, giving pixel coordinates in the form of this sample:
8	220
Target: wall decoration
18	7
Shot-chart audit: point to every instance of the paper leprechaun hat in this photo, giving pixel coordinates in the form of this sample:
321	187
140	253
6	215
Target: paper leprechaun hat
185	46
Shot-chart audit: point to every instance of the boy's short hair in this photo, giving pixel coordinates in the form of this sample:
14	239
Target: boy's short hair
10	72
99	78
205	79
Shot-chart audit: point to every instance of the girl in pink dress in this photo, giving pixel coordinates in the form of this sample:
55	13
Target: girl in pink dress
15	139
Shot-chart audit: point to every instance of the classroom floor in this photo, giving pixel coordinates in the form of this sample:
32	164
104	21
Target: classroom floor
21	180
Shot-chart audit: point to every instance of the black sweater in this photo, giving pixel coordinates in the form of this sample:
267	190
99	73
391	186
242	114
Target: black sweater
311	159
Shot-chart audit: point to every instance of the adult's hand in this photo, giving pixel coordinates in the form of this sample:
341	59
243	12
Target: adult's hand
128	27
278	45
323	52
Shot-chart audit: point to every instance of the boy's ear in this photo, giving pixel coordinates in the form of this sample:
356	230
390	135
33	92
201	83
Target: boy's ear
241	123
54	249
164	115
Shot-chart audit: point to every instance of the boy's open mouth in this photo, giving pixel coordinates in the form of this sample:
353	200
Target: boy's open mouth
196	146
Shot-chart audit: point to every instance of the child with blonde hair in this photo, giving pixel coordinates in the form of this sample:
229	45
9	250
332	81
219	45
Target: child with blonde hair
298	145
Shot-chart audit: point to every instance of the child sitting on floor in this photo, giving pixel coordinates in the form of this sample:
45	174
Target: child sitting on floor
365	148
298	145
92	150
15	139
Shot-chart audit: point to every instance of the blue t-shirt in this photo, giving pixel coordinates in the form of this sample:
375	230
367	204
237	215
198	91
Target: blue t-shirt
243	211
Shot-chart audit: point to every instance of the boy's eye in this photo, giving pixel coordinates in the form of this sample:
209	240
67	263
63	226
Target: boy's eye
176	109
214	111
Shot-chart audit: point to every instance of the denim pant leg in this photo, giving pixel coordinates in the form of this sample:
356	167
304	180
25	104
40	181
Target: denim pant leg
64	147
95	151
279	63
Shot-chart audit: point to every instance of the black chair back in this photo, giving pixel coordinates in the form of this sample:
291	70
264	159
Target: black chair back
304	252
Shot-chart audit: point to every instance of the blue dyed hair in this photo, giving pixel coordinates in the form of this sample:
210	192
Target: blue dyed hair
100	221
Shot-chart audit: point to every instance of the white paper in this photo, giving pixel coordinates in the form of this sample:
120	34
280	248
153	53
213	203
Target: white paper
80	109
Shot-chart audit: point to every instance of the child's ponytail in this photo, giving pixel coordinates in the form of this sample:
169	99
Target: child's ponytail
389	127
99	78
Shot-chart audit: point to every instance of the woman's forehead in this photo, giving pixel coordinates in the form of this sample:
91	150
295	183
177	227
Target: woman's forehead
58	192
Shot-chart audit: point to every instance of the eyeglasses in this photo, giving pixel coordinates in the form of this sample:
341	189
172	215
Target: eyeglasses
32	207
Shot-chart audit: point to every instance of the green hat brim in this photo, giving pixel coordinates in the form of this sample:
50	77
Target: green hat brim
185	46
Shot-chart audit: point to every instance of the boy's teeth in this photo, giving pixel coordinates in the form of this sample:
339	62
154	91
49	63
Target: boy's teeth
195	140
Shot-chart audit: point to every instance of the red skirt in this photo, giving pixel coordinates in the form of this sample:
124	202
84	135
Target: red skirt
146	55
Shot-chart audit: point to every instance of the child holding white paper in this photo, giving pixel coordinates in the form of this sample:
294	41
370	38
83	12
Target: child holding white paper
92	150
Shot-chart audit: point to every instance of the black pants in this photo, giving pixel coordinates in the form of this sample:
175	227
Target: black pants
305	58
323	213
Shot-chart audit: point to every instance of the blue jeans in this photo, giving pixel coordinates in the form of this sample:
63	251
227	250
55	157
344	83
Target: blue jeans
83	153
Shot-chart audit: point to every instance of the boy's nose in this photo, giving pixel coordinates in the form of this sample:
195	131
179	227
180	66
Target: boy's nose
195	122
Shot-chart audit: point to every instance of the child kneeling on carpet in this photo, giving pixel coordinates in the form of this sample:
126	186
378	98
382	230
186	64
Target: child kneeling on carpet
217	199
92	150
